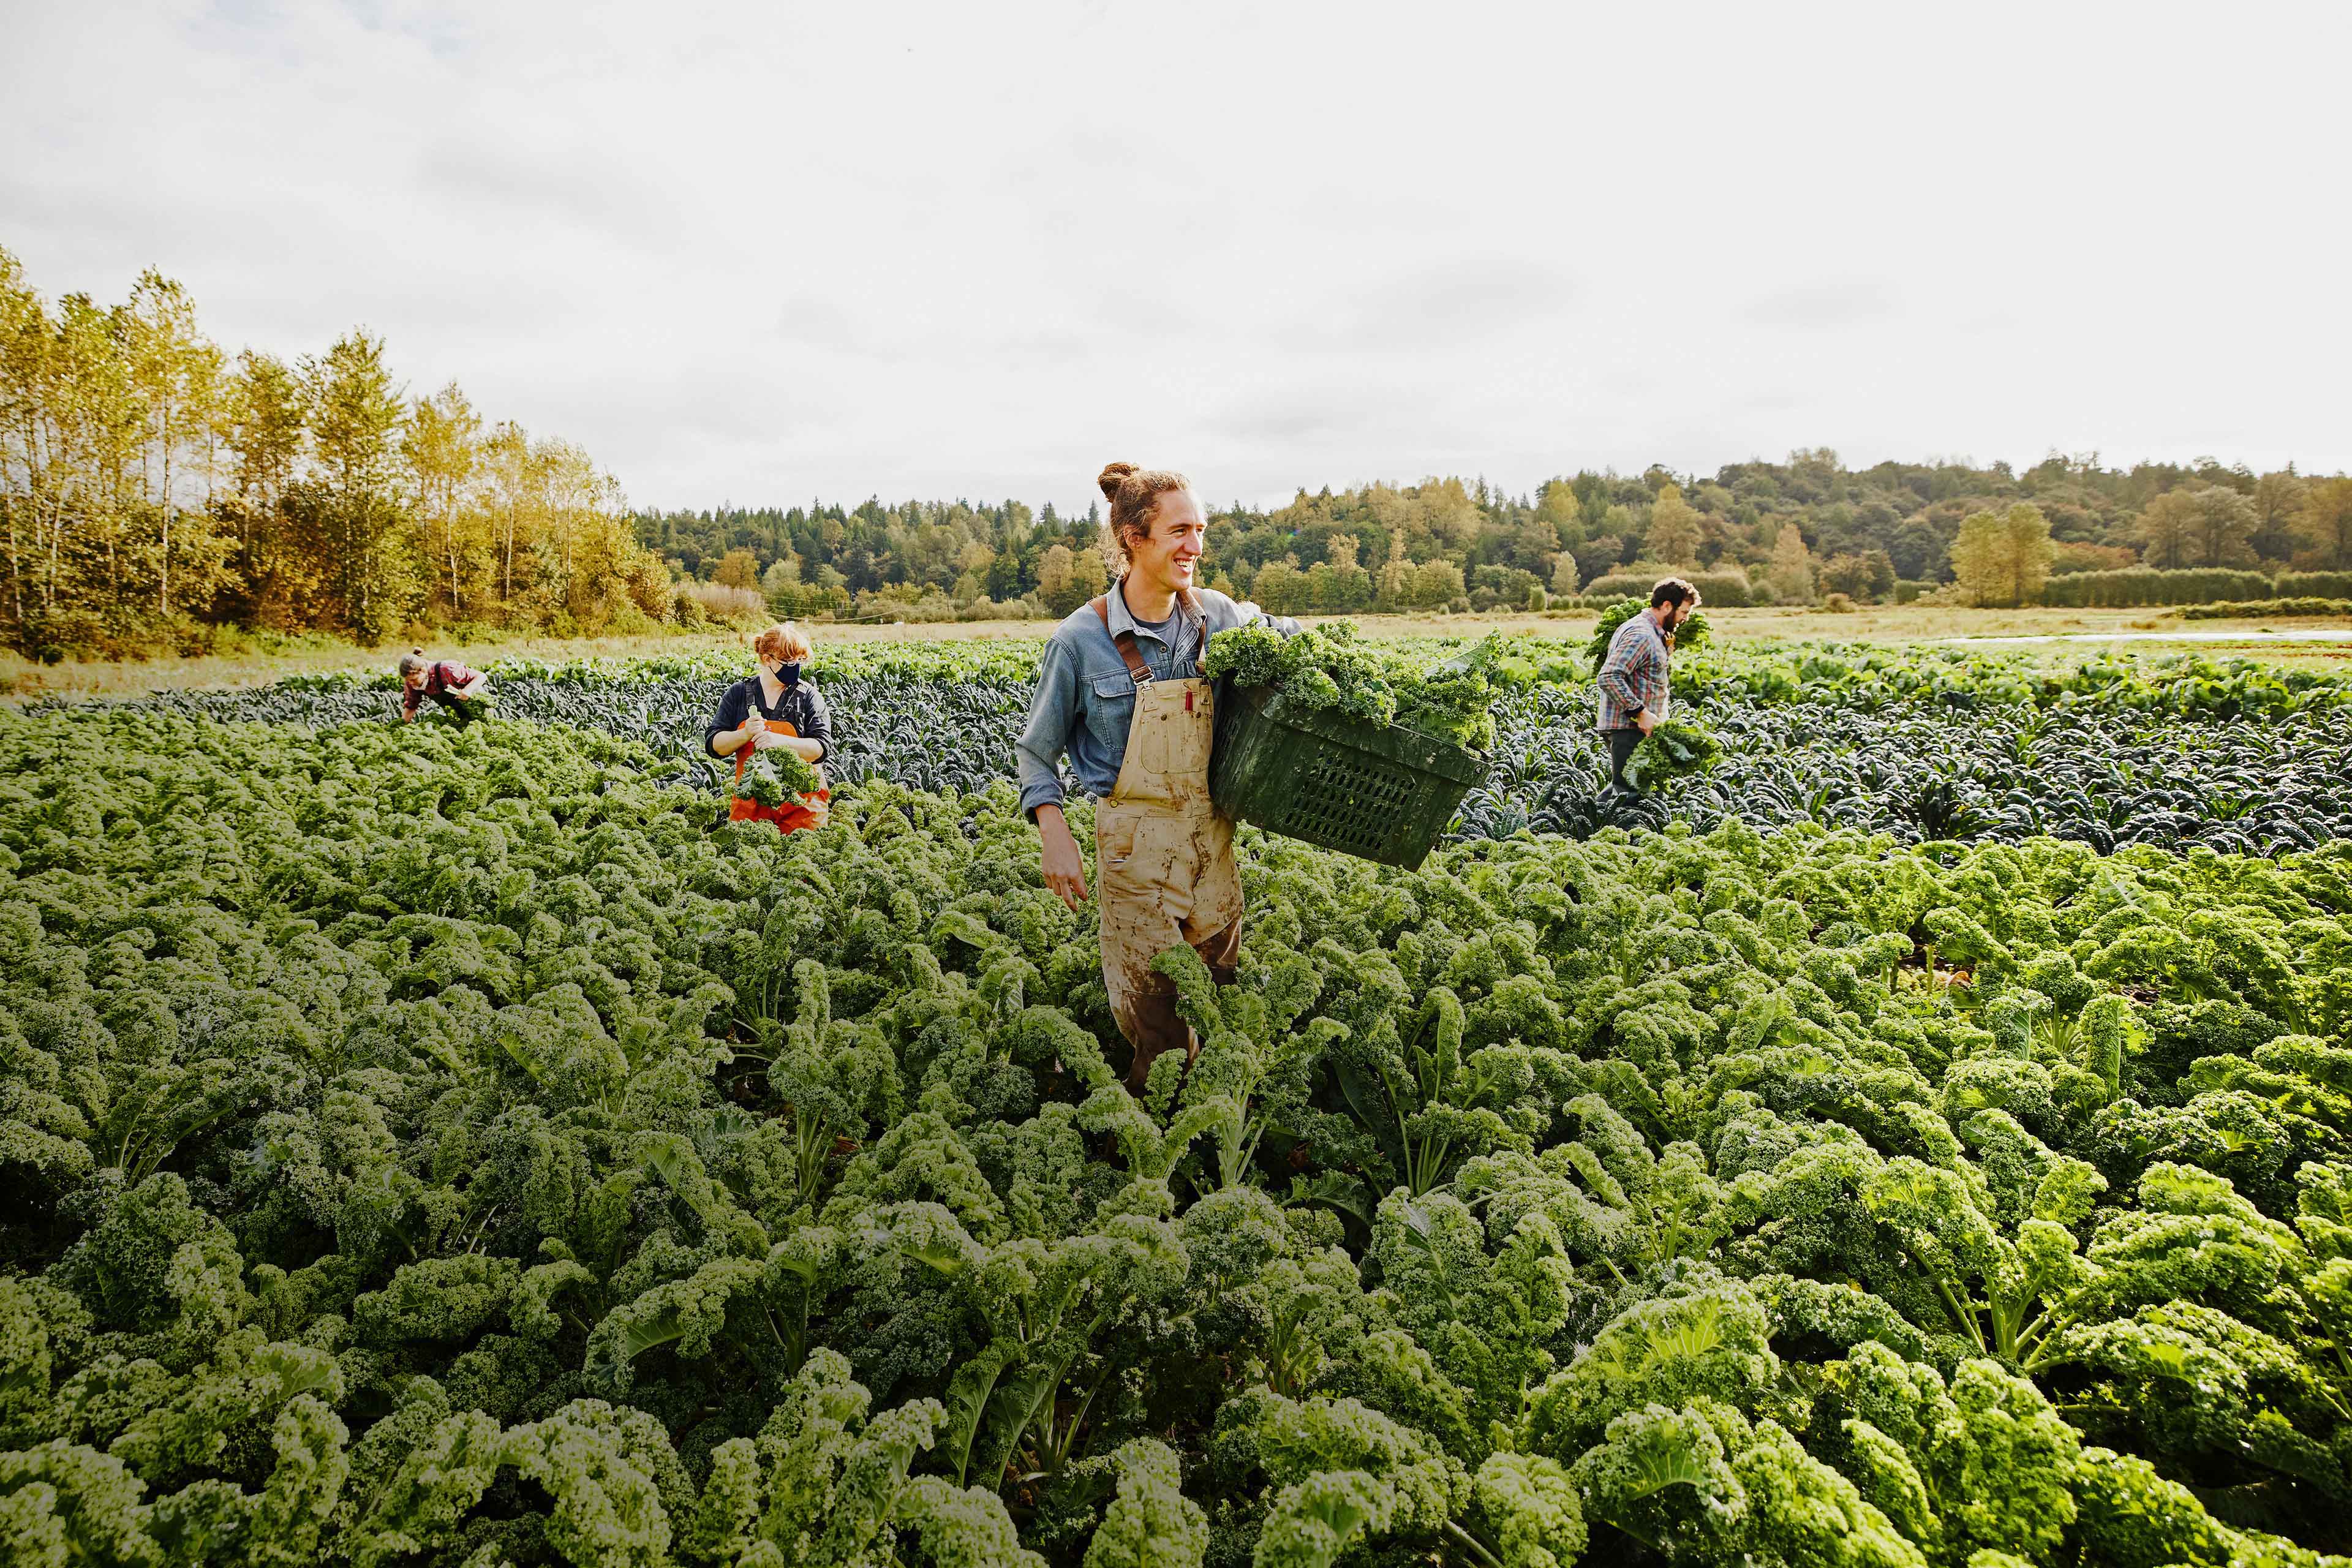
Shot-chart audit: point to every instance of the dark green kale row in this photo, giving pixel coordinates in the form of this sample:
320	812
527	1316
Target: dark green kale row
438	1146
1925	772
2173	752
927	733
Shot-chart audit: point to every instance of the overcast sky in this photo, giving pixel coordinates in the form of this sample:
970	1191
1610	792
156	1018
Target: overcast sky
762	252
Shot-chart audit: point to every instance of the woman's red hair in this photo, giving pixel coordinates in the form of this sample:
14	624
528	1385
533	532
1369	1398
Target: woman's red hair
785	641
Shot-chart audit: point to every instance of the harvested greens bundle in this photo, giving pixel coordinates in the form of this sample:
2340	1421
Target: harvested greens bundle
1454	700
1332	667
461	711
1322	666
1671	751
772	775
1692	634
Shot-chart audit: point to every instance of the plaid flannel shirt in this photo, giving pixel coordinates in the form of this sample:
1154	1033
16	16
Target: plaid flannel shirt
1634	676
442	675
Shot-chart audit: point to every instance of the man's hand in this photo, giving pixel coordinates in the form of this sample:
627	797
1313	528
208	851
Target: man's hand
1645	721
1058	857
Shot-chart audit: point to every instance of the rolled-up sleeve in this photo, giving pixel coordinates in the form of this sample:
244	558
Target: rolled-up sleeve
819	726
730	717
1052	714
1225	615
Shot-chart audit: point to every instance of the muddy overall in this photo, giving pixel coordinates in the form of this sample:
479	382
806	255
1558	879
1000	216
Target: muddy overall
1164	859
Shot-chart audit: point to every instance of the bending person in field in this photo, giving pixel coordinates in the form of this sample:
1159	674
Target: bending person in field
465	692
1635	697
774	708
1120	693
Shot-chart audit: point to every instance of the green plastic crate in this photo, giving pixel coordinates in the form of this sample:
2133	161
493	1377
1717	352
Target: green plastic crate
1379	792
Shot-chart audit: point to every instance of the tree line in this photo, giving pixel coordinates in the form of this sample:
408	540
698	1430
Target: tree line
1751	532
158	495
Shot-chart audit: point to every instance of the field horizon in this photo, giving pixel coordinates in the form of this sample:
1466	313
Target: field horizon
21	680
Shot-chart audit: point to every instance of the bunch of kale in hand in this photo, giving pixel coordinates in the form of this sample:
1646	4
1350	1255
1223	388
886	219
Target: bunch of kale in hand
773	775
1671	751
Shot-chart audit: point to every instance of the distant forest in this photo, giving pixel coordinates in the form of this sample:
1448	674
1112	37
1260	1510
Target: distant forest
1751	532
159	494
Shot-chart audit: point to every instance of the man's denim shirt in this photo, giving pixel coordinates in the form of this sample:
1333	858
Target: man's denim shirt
1085	701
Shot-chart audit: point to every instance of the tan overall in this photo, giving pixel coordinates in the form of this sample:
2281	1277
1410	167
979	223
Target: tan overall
1164	859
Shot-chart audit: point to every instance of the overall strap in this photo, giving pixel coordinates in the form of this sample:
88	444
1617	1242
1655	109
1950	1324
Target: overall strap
1139	671
750	705
1125	642
742	754
751	694
757	696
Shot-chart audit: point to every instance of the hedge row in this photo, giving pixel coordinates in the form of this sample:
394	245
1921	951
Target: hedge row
2126	588
2250	609
1724	590
2136	586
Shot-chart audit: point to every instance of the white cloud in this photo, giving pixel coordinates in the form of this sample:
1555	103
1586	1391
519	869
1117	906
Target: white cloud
751	252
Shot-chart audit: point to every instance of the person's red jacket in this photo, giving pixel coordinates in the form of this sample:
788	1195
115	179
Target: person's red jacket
441	677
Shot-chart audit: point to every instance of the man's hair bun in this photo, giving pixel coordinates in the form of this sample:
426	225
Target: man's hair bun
1134	495
1113	475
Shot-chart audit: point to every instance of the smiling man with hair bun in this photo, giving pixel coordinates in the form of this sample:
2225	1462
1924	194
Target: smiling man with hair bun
1120	693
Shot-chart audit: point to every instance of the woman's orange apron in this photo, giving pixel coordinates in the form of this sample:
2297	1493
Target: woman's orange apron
790	816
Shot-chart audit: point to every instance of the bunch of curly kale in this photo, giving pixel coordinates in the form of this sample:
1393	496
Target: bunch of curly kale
1332	667
774	774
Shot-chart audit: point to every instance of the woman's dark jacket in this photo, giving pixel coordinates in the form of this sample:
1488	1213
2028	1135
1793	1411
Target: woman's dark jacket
798	705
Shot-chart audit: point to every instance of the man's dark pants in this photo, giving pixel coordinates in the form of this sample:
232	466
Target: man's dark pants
465	709
1620	746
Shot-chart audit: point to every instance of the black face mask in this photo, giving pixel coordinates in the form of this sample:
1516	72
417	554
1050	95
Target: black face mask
789	674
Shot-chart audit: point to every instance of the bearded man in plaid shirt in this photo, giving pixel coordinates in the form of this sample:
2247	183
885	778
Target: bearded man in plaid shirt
1633	694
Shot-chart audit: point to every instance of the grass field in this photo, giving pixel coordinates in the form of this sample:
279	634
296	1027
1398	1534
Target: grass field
21	680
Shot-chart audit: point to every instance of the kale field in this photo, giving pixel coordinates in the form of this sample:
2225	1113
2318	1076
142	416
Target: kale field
1920	1139
2243	760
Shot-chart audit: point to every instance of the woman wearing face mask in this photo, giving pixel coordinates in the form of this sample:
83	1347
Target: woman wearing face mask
774	708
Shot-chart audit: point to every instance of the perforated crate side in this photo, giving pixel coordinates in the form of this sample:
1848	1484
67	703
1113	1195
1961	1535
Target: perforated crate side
1381	794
